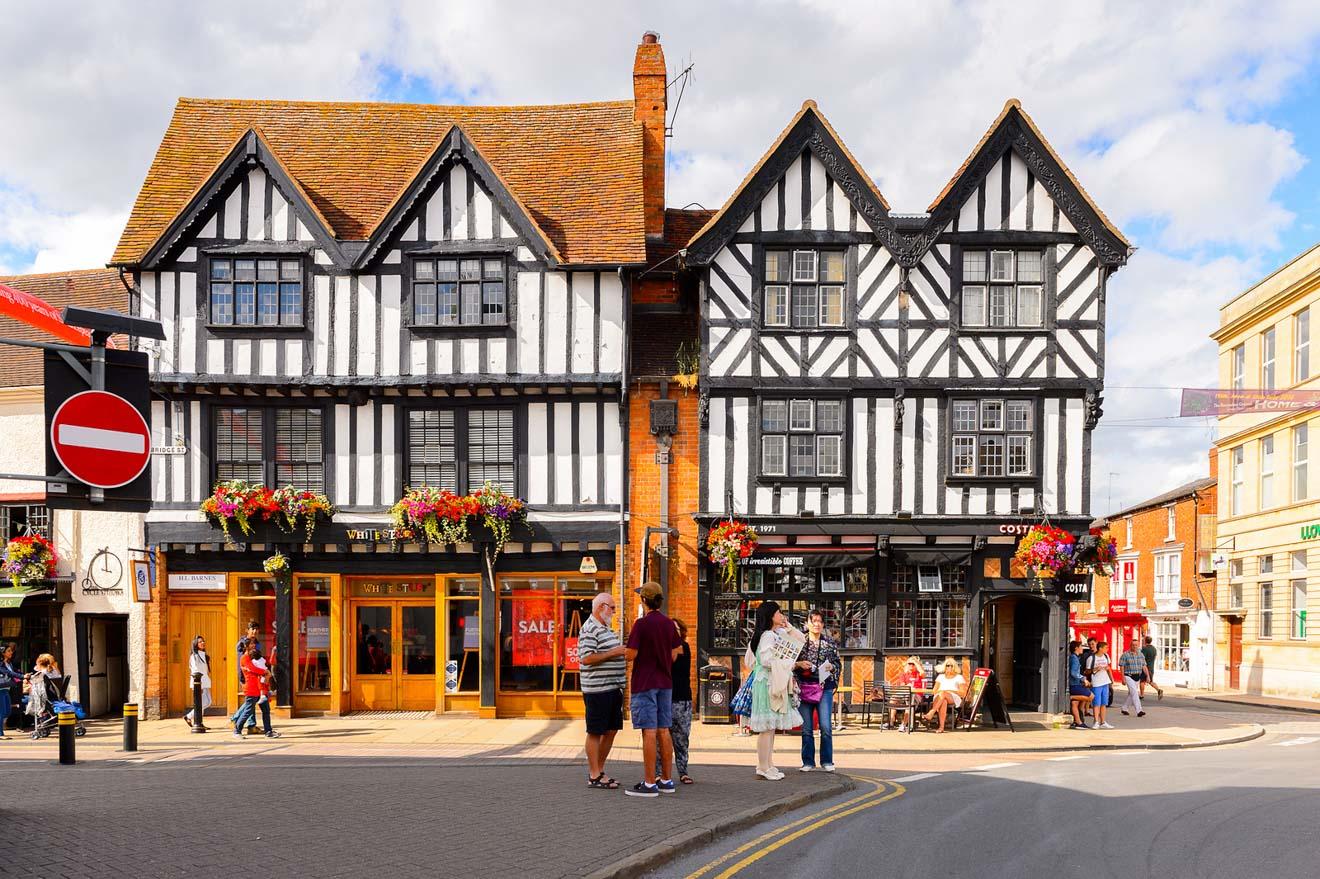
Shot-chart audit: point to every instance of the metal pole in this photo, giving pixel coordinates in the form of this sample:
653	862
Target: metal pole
97	495
130	726
197	725
68	728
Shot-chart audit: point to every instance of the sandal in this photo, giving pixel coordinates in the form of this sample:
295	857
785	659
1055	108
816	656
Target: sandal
686	779
600	781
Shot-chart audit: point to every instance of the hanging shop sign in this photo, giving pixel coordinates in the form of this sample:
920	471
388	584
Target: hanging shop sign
533	633
197	582
1076	589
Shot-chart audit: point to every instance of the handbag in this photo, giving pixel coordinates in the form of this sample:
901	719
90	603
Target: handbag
811	692
741	703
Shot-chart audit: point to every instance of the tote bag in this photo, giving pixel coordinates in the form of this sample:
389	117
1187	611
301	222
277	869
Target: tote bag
741	703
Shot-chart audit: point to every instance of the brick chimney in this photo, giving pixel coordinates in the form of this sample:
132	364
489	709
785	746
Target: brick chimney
649	107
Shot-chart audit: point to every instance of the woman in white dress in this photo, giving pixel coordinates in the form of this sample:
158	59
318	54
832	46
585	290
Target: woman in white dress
950	688
199	663
772	689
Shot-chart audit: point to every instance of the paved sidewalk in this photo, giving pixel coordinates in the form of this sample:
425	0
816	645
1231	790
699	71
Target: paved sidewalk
1307	706
1170	724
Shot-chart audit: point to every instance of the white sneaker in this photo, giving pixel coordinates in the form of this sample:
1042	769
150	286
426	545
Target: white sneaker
1106	725
827	767
805	768
775	774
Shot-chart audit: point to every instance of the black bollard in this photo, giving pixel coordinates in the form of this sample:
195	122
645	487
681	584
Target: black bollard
130	726
68	727
197	725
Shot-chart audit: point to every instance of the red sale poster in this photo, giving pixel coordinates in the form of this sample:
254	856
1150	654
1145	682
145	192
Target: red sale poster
533	631
570	654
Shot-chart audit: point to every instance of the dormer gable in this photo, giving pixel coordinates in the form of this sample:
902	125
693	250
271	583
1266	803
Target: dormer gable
1014	181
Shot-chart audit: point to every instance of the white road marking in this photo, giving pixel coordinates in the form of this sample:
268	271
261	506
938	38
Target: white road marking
990	766
99	438
1068	757
918	777
1300	740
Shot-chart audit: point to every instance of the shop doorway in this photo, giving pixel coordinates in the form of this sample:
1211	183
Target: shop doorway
1015	643
1234	653
187	619
102	663
394	656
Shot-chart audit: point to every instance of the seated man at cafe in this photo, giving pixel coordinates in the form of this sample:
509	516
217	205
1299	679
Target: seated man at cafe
912	676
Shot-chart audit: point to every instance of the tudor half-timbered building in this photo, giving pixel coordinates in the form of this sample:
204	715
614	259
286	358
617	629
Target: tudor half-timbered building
890	397
363	298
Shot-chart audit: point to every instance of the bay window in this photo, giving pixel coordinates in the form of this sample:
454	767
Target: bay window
992	438
1003	288
802	438
921	620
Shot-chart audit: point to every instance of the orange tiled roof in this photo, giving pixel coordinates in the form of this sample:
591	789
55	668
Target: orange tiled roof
577	168
95	288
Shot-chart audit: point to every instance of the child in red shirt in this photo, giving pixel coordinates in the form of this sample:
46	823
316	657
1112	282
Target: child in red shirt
256	692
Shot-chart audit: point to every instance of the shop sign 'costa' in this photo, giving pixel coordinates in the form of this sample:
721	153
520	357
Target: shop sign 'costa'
101	439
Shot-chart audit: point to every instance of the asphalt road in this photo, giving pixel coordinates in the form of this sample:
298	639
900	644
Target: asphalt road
1239	811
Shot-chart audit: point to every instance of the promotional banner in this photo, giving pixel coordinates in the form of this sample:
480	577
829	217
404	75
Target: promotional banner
533	631
38	313
1230	401
570	662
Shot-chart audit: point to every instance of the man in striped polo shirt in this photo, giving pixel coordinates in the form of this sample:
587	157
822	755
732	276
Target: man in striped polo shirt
604	673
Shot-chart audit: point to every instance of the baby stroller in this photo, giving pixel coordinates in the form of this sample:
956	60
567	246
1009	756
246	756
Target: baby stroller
46	700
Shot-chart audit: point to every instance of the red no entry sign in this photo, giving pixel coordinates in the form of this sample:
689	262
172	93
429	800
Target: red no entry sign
101	439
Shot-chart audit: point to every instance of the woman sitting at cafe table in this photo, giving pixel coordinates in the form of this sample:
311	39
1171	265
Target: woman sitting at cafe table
950	688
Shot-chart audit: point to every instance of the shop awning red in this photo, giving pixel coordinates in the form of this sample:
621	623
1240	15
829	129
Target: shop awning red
35	312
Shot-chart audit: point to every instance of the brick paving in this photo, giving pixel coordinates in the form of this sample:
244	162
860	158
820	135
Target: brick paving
329	817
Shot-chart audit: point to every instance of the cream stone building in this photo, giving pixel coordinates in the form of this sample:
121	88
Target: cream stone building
1268	542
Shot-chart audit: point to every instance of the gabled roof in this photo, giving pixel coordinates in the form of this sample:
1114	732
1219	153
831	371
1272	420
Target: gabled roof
575	168
1014	129
95	288
1182	491
808	129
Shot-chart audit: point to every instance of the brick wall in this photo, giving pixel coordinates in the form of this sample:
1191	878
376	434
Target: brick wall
649	106
153	689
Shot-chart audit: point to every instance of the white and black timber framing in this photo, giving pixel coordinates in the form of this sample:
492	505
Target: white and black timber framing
558	361
902	356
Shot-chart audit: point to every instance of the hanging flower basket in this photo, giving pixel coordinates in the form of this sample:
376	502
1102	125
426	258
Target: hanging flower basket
499	511
29	559
247	504
728	542
1096	554
277	565
1046	550
445	517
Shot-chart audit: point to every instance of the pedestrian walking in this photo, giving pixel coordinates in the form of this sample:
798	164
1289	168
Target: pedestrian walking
1079	694
680	730
653	645
1150	653
1102	680
772	695
199	664
604	672
11	684
817	682
1132	664
256	692
241	651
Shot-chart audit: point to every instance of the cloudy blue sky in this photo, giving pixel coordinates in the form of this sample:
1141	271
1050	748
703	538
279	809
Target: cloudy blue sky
1193	124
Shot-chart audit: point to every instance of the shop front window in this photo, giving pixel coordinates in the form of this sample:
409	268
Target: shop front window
539	623
375	636
418	639
313	605
463	647
921	621
842	595
256	603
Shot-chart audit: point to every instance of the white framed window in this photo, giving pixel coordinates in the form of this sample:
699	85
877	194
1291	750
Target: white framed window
1265	564
1128	522
776	306
1173	642
992	438
1301	486
1236	475
1168	576
1266	472
1302	345
1267	350
1297	609
1003	288
1235	583
1265	621
802	438
1239	367
1297	561
1124	582
1171	512
804	289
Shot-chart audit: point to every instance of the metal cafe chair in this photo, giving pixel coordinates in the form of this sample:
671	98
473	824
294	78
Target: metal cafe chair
898	699
873	699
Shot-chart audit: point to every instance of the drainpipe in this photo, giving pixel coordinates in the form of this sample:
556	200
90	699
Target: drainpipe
625	421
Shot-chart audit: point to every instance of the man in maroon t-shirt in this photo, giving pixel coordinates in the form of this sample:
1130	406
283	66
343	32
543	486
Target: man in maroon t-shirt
653	645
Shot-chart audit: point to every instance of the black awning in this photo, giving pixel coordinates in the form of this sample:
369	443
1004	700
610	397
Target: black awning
932	555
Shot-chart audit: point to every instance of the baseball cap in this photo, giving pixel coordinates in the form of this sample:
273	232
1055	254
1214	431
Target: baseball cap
650	590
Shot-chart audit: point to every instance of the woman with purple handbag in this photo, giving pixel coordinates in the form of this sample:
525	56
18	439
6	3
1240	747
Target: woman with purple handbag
817	671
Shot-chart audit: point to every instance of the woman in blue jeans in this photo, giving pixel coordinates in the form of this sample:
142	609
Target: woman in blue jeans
818	677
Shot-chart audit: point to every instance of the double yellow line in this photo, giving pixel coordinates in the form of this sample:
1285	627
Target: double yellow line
766	843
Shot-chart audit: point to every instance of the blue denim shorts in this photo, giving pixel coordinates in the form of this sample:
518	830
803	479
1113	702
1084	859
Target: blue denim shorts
1101	694
652	709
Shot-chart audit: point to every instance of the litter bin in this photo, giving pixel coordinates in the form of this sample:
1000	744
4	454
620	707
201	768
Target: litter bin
713	684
